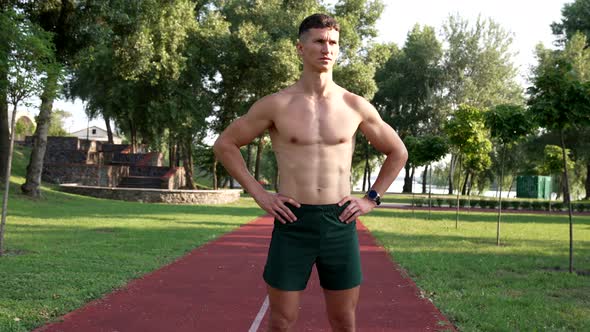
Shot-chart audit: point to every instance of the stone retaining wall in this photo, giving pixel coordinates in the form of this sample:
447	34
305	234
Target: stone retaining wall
157	195
89	175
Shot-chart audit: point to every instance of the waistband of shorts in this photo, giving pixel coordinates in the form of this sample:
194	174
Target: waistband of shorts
320	207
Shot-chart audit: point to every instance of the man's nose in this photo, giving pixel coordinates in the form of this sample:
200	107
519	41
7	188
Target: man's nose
325	48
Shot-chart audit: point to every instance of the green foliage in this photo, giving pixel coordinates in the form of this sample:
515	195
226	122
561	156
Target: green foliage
508	123
468	135
574	19
425	149
58	118
408	83
560	95
554	161
478	64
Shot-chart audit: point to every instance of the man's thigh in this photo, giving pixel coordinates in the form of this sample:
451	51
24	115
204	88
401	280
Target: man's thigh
341	302
284	304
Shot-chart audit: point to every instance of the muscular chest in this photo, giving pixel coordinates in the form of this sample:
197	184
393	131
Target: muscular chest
306	122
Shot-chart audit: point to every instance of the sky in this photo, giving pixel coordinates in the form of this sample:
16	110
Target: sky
528	20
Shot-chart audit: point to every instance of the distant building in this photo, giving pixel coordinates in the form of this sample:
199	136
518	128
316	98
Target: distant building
95	133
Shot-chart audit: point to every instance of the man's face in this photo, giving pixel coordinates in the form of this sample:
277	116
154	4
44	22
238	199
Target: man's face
319	48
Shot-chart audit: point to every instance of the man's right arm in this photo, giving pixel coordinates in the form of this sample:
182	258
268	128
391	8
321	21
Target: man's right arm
227	150
240	132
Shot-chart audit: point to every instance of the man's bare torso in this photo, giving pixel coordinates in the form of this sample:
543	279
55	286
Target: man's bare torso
313	140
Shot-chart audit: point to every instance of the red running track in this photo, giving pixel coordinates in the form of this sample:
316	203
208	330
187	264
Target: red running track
219	287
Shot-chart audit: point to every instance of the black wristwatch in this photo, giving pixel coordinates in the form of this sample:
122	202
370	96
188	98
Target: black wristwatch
373	195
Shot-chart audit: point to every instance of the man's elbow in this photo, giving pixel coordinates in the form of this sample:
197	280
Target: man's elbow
400	155
218	147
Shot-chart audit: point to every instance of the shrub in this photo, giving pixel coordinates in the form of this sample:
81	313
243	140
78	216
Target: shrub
546	206
492	204
462	202
505	205
439	201
452	202
537	205
578	207
515	204
474	202
557	206
419	201
525	205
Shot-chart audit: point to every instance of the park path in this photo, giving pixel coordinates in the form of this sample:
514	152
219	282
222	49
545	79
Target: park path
219	287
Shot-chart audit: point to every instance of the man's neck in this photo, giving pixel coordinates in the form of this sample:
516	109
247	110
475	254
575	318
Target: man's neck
316	84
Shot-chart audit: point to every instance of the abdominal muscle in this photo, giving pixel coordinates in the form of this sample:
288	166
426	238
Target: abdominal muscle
314	173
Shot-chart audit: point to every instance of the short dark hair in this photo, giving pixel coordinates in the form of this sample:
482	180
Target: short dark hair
318	21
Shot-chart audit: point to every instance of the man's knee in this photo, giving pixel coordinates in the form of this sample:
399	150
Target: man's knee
282	321
342	320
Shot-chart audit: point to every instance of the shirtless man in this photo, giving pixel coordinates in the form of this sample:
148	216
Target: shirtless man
312	125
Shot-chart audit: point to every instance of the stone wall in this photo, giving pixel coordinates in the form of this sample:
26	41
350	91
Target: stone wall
157	195
89	175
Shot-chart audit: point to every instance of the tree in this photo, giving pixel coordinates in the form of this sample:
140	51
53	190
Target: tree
560	99
468	136
478	68
56	17
30	50
56	128
507	124
408	83
574	19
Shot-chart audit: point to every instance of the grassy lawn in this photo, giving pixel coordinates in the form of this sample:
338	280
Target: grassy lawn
482	287
65	250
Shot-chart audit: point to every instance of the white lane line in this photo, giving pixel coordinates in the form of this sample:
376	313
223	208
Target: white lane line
256	323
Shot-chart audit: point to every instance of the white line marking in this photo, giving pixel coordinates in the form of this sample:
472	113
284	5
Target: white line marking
260	316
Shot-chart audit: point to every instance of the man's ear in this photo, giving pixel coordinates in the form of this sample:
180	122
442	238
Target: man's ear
299	47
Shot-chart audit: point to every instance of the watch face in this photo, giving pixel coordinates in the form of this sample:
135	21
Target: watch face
372	194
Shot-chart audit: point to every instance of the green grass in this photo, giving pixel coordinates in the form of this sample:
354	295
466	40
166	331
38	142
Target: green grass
483	287
65	250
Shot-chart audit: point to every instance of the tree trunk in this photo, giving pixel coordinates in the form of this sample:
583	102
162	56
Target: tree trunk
107	122
407	180
172	153
258	158
424	179
464	187
188	164
500	196
4	133
7	181
458	192
369	177
452	173
249	157
587	180
568	201
31	187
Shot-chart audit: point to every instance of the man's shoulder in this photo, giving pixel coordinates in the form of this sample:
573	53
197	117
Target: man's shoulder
356	102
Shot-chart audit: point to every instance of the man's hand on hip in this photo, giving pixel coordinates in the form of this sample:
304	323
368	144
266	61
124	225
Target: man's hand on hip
356	208
274	204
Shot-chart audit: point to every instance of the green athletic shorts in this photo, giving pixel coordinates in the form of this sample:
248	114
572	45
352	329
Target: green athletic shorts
316	237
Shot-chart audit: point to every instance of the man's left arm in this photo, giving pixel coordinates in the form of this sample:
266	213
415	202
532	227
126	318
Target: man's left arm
385	140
